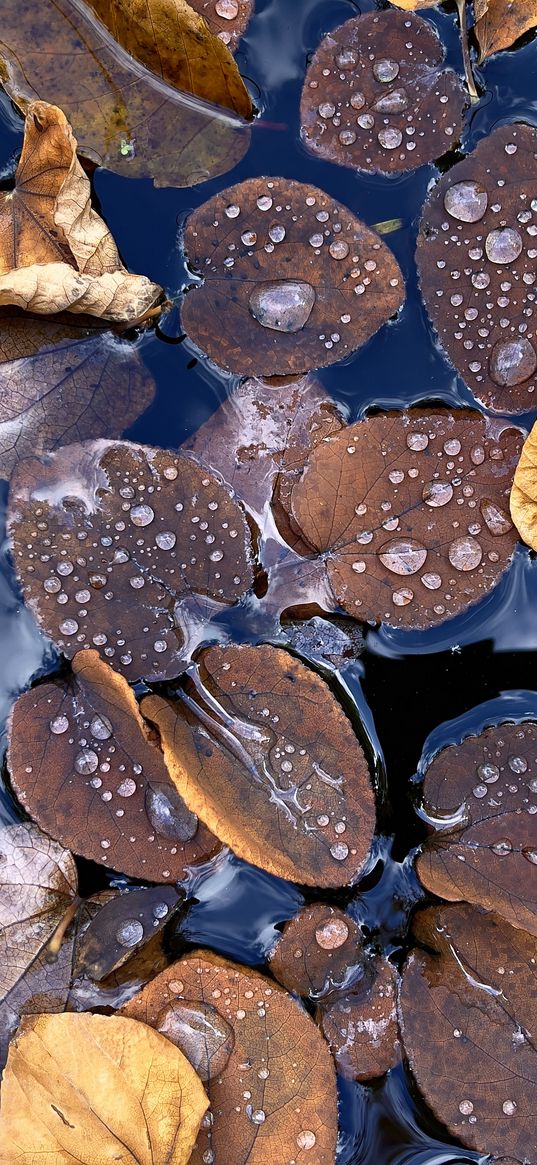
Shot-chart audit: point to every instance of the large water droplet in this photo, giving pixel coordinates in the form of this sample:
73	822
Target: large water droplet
227	9
59	725
168	813
403	556
332	934
437	493
503	246
502	847
465	553
466	201
512	361
496	519
385	69
141	515
283	307
130	932
390	137
101	728
201	1033
394	102
86	762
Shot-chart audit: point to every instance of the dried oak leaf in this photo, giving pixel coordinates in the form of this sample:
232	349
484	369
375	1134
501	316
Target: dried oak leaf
376	97
476	257
408	512
141	543
262	752
124	116
299	280
227	18
38	883
320	952
499	23
467	1009
361	1025
61	382
56	253
523	500
245	1032
83	766
91	1088
482	796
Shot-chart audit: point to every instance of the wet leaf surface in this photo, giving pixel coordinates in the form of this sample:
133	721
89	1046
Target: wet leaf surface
376	96
409	512
275	1098
482	795
476	256
361	1025
499	23
320	952
97	1087
142	545
38	883
227	18
56	253
124	117
468	1014
523	501
61	382
83	766
300	281
122	927
334	643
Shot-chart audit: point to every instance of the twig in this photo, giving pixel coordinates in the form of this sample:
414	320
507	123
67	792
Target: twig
468	71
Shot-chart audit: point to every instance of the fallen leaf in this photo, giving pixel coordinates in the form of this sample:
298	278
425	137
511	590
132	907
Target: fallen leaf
408	513
261	751
299	280
332	643
123	926
320	952
165	545
56	254
467	1017
411	5
361	1025
278	1056
38	883
97	1087
481	796
377	98
62	382
227	18
499	23
524	491
83	767
476	258
124	117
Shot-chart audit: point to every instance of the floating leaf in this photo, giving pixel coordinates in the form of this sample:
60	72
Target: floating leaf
482	796
476	257
84	768
361	1025
278	1057
524	491
376	97
97	1087
409	512
299	280
262	752
320	952
38	883
468	1011
124	117
499	23
411	5
141	544
56	254
62	382
123	926
227	18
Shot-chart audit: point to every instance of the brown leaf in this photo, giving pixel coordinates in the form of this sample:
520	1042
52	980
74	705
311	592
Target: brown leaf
82	765
468	1011
123	116
97	1087
320	952
164	545
524	491
499	23
122	927
278	1057
482	796
408	512
476	257
61	382
297	291
376	97
38	883
227	18
361	1025
262	752
56	254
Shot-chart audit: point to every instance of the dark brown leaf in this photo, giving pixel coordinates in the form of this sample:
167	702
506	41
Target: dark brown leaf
476	257
227	18
376	97
320	952
141	543
298	279
361	1025
122	927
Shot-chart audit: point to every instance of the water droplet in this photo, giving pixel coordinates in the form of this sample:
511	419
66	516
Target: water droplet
465	553
402	597
339	851
86	762
232	211
385	70
432	581
518	764
417	442
503	246
101	727
306	1139
509	1107
166	540
466	1107
283	307
69	627
512	361
264	202
227	9
249	238
58	725
390	137
346	59
496	519
332	934
357	100
394	102
403	556
168	813
141	515
339	249
52	586
130	932
480	791
127	787
277	232
502	847
326	109
201	1033
530	856
437	493
488	773
347	137
466	201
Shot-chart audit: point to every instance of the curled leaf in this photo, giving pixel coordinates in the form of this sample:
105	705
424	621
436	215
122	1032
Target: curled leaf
499	23
320	952
300	281
523	500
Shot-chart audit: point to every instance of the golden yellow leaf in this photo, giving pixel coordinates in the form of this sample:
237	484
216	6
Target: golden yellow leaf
411	5
56	253
94	1088
523	502
499	23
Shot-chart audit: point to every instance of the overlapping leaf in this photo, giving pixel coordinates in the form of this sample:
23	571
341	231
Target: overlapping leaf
361	1025
319	953
122	927
499	23
262	752
274	1098
299	280
140	544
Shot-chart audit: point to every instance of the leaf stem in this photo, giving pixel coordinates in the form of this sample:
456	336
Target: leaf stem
468	71
57	937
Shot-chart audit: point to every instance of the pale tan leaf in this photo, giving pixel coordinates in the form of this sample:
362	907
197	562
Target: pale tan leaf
523	501
499	23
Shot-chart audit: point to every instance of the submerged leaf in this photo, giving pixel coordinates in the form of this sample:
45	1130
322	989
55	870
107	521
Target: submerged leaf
320	952
299	280
123	926
476	257
82	765
376	97
499	23
468	1022
262	752
142	545
482	796
278	1057
97	1087
227	18
524	491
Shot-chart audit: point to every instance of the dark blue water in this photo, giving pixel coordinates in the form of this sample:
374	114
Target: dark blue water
409	693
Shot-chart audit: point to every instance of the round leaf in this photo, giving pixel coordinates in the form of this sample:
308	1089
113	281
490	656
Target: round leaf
320	952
